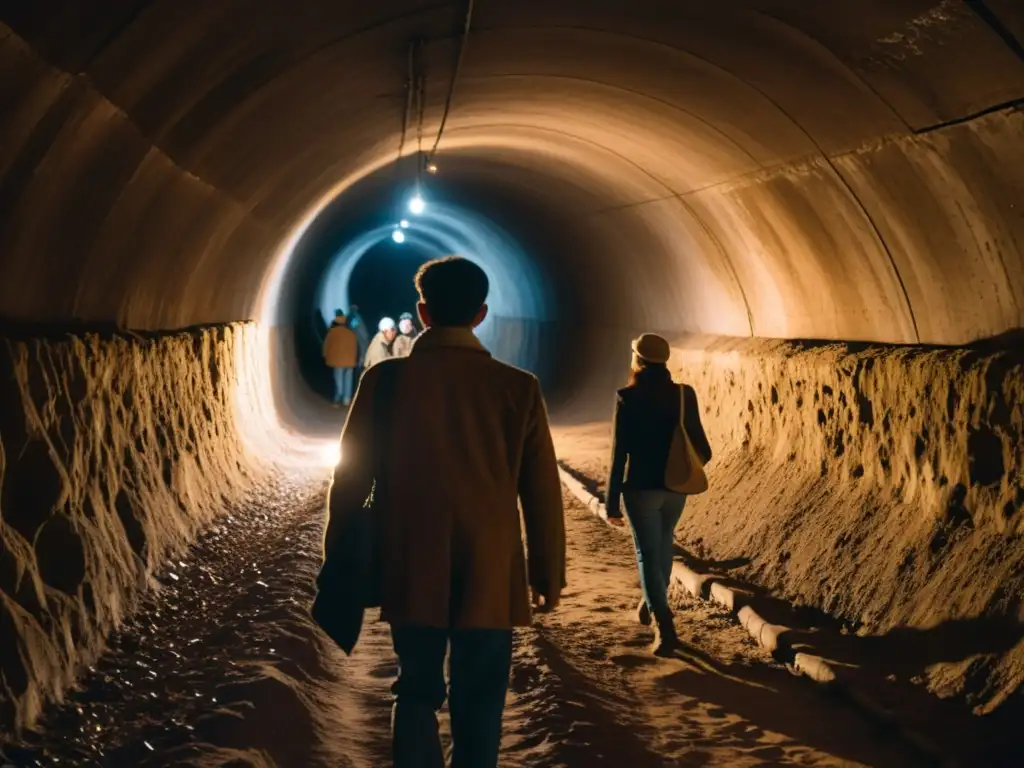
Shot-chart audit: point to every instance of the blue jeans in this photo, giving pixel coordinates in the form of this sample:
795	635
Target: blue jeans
478	669
653	516
343	381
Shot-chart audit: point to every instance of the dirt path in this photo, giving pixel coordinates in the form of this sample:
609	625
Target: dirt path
222	667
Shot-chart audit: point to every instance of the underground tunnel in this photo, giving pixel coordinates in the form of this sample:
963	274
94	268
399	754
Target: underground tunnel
820	205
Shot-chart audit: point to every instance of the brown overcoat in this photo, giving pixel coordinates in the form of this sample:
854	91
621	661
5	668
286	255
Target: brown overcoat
341	347
470	441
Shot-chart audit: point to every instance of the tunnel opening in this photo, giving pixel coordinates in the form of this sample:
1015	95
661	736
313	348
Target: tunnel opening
381	284
538	318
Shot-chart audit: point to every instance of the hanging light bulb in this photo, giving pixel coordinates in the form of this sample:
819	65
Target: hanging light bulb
404	224
417	204
431	168
398	236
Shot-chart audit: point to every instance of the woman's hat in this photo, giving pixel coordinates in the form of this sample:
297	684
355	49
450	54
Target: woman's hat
652	348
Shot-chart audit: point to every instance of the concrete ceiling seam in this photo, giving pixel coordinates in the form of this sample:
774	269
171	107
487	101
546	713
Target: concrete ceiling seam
985	13
881	241
826	51
376	26
54	120
113	35
874	226
1007	106
633	91
284	70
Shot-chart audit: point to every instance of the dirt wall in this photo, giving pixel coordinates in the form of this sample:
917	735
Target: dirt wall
115	450
880	484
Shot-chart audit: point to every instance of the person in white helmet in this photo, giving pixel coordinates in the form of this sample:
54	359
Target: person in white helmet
381	345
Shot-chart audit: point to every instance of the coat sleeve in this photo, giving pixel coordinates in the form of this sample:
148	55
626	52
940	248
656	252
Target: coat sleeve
353	477
540	492
617	465
694	427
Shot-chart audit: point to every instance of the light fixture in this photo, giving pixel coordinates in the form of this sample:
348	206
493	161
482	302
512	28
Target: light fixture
404	224
417	204
431	168
398	236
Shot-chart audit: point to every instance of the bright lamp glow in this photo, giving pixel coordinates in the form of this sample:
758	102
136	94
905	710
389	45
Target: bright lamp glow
330	454
417	205
403	224
398	236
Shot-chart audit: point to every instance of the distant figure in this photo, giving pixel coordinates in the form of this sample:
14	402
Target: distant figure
357	324
319	325
646	416
382	345
341	353
453	570
406	335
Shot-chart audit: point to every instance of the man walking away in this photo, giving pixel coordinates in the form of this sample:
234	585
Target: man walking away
406	335
341	353
454	576
381	345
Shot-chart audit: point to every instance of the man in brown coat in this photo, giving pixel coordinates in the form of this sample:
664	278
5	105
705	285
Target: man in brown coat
475	444
341	353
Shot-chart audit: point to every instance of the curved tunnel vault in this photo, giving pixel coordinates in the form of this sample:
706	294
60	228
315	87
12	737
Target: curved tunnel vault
756	168
780	163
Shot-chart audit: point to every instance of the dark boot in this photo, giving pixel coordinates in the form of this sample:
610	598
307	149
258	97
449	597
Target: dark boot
643	613
666	641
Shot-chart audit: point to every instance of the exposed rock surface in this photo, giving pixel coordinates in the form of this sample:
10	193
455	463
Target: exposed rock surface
881	484
115	451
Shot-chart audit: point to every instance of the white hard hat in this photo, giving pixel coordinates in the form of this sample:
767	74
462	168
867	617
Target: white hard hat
386	324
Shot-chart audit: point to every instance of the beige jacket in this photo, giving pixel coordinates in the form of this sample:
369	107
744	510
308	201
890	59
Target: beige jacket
471	443
402	345
378	350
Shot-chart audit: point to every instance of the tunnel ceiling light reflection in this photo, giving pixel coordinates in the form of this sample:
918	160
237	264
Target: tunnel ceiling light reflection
417	204
398	236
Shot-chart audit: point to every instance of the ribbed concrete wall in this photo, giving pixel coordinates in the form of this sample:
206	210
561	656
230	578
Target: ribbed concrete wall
808	187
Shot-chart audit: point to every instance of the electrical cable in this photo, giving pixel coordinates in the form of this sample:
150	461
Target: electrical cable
455	76
408	101
421	108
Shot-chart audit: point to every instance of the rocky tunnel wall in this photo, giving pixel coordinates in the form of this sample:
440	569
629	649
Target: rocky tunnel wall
882	485
115	451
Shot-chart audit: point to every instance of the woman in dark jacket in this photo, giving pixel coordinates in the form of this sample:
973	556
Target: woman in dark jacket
646	416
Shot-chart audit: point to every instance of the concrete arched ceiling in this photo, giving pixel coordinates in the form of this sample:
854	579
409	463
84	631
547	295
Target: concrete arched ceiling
851	169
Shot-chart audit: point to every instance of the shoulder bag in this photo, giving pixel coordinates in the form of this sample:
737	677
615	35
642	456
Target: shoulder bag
684	471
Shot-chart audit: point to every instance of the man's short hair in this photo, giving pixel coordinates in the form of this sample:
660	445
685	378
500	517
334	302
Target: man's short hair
453	288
